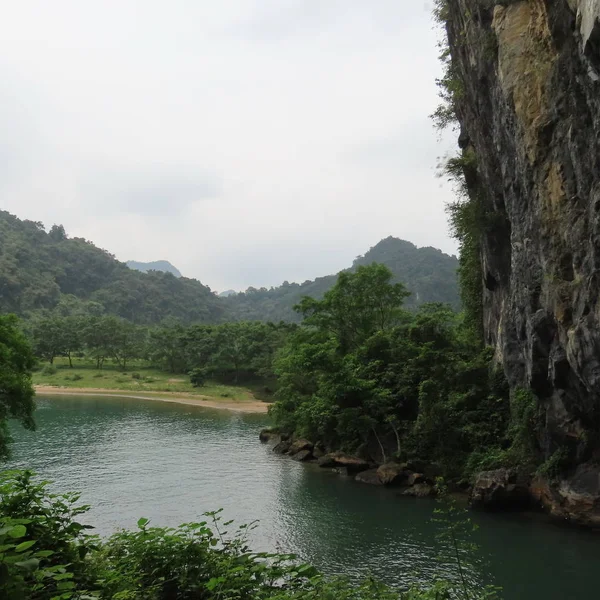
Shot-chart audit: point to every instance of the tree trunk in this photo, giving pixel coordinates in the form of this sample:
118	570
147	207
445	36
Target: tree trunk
397	439
70	361
380	446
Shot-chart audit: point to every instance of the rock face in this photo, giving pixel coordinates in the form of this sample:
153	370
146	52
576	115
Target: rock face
500	490
529	111
576	499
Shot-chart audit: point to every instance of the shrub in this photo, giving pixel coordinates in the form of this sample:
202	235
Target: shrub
136	376
47	555
49	370
198	377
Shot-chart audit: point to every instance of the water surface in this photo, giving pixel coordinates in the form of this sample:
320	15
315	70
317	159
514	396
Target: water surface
171	463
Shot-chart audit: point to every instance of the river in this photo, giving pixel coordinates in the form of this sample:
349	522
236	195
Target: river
170	463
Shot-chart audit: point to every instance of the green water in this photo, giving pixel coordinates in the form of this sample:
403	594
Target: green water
171	463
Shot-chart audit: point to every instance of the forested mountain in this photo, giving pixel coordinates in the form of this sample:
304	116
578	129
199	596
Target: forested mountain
47	270
42	270
428	273
158	265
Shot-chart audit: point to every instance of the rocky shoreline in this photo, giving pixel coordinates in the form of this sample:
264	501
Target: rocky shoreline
406	477
500	490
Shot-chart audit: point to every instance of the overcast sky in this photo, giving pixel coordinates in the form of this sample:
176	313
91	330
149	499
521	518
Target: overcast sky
246	141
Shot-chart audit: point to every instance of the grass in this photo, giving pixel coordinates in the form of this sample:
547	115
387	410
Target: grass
137	378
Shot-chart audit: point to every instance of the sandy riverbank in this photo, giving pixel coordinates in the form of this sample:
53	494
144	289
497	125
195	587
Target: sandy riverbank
245	406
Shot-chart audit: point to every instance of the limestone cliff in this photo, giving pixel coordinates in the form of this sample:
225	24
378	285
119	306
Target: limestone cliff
529	111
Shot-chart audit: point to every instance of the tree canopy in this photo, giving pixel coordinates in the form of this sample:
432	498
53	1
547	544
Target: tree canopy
42	271
16	391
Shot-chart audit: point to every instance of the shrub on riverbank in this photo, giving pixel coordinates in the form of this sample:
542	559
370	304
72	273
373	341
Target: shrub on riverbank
46	554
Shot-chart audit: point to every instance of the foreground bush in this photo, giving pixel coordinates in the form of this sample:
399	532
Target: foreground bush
46	554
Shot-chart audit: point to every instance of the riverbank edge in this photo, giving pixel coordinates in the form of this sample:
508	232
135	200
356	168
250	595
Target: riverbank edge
238	406
502	490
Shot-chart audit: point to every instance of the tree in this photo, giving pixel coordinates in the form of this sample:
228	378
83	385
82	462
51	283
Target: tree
357	306
16	391
49	337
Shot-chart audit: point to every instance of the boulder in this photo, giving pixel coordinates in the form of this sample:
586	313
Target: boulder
420	490
299	445
392	473
371	476
327	461
339	460
283	447
352	464
500	489
318	452
268	434
414	478
302	455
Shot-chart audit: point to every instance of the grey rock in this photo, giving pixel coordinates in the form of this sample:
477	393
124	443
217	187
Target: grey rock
415	478
302	455
393	473
420	490
282	447
370	476
266	435
501	489
299	445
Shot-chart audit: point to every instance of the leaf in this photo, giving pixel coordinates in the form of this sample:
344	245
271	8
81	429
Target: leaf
143	522
18	531
30	564
24	546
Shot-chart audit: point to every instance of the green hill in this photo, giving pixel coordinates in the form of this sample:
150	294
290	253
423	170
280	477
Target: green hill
42	270
157	265
428	273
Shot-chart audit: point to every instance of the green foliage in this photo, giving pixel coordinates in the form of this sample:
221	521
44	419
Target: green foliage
16	391
198	377
42	271
427	273
45	554
363	372
556	464
43	548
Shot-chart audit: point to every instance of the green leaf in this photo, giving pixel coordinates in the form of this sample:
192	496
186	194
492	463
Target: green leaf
143	522
24	546
18	531
30	564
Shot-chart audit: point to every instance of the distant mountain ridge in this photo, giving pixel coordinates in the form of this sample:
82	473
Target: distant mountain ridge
428	273
158	265
44	271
